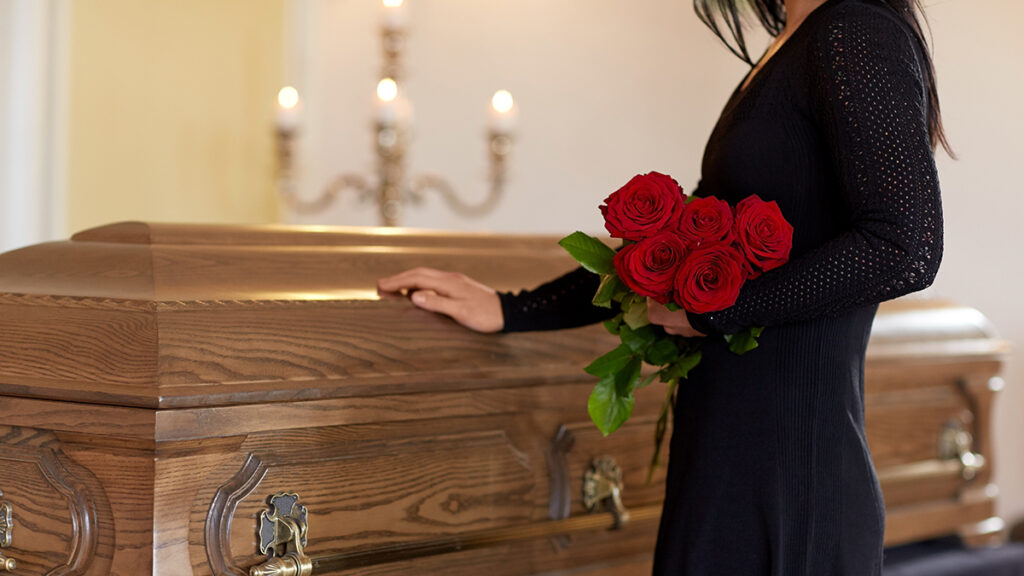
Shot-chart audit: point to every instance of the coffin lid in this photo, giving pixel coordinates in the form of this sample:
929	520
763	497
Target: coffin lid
176	316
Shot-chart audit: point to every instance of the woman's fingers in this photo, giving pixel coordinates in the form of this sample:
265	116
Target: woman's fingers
467	301
420	279
676	323
659	314
434	302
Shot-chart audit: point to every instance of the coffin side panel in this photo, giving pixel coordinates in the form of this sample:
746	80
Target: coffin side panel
61	517
413	485
77	350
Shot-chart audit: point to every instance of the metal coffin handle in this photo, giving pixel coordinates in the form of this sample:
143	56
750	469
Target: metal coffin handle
6	535
956	443
602	484
282	530
282	534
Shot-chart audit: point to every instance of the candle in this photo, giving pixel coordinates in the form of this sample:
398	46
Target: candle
503	112
387	105
394	14
287	109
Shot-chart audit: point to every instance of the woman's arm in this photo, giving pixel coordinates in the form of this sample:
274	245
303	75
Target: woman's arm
564	302
468	302
871	103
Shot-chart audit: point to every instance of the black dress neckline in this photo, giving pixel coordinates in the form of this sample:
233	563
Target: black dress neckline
742	91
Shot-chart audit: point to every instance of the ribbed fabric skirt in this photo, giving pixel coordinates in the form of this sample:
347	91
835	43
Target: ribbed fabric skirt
769	471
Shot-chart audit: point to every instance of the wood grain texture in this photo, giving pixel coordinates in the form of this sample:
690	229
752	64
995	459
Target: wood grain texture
411	406
937	518
395	484
126	477
907	428
57	508
602	551
181	374
271	314
217	533
906	412
90	420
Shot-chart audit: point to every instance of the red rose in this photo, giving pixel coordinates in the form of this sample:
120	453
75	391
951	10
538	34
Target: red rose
646	205
764	236
710	279
649	267
706	220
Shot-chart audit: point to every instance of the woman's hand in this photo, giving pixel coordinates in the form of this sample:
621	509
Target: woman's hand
673	322
467	301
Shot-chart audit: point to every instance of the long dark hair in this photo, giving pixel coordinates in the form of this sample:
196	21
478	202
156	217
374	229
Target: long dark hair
772	15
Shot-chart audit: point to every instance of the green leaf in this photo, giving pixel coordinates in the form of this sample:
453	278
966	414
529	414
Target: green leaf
663	351
590	252
647	380
628	377
638	339
612	325
611	362
681	367
636	314
673	307
745	340
610	284
611	402
622	292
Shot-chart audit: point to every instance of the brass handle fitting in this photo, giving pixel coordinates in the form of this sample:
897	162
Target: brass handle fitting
956	443
602	483
290	565
282	533
6	535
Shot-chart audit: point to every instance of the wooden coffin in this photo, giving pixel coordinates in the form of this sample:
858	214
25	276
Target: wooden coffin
931	376
203	400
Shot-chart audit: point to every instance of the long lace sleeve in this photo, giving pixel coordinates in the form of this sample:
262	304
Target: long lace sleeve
564	302
868	98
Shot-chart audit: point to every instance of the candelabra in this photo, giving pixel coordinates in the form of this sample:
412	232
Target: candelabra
392	188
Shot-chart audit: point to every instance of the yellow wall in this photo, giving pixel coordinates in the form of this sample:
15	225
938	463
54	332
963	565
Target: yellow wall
171	110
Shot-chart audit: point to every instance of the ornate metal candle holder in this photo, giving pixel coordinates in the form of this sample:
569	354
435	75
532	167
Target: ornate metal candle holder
391	189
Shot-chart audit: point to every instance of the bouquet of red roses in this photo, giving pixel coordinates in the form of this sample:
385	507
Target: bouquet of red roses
687	253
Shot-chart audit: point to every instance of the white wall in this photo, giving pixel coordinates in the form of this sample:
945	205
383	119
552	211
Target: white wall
608	88
605	88
981	77
32	94
6	52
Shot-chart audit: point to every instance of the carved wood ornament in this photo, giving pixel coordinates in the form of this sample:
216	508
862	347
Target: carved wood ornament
78	500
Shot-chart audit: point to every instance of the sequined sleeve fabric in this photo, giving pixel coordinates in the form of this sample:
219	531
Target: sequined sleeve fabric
868	98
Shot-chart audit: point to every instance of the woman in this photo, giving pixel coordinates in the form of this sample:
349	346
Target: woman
769	470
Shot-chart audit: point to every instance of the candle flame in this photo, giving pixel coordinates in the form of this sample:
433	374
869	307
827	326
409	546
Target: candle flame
288	97
387	89
502	101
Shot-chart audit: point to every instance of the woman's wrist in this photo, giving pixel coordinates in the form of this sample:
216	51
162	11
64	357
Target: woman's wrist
507	300
700	323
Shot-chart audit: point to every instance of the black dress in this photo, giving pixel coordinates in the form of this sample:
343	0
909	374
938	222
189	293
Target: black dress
769	471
